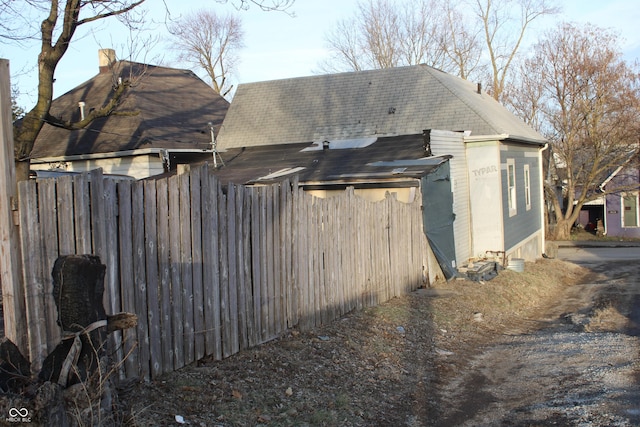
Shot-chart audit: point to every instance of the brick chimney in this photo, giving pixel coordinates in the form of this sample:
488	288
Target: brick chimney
106	58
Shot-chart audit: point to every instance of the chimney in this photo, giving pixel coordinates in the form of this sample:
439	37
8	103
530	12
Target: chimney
106	58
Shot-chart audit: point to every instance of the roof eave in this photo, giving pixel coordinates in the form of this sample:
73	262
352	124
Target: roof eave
116	154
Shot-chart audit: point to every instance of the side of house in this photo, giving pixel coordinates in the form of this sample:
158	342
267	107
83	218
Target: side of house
622	210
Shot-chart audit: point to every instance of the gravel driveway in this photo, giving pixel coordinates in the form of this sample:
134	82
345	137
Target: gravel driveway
580	368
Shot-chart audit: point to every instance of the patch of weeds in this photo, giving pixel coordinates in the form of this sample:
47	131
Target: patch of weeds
342	401
323	417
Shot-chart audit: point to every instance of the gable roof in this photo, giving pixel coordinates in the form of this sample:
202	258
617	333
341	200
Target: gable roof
172	109
394	161
393	101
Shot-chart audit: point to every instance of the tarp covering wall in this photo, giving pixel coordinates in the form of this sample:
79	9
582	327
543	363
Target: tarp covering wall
438	217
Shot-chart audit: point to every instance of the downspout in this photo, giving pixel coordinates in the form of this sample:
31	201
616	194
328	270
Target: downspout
542	198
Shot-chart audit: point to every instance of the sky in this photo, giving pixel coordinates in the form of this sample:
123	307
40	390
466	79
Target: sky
277	45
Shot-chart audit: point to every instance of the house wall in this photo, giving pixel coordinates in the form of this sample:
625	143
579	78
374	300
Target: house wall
485	197
138	167
523	231
614	223
405	195
452	143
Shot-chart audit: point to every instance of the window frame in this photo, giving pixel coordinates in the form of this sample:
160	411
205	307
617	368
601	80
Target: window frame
527	187
512	200
623	206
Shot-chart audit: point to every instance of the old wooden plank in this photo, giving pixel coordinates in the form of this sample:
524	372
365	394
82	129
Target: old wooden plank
196	262
311	229
256	265
82	213
246	269
140	277
270	258
127	277
32	277
13	302
286	246
285	251
97	220
232	241
225	315
265	314
64	199
164	274
152	278
294	286
111	259
278	295
186	265
175	269
240	276
211	269
47	213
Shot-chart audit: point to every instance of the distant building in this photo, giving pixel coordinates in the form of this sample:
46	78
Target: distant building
165	117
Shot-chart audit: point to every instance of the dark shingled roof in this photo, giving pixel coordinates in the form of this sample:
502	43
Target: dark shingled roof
386	160
387	102
172	108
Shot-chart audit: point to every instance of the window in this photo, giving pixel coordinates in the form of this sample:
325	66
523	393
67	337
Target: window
511	183
630	210
527	187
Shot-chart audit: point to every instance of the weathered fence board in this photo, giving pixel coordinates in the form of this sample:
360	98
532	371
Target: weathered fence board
127	289
176	273
212	270
49	232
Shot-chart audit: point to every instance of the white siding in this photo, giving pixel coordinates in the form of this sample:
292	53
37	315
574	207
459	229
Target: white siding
452	143
486	197
138	167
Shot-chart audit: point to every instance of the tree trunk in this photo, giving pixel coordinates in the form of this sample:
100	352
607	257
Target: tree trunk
563	229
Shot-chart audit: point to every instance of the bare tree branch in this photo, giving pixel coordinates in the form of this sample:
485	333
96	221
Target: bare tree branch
211	43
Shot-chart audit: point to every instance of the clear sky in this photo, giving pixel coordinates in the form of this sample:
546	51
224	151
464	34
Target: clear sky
277	45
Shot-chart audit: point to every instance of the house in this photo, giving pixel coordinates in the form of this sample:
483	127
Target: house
495	165
621	209
166	117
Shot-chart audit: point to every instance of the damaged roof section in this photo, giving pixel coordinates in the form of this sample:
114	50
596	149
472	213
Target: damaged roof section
398	161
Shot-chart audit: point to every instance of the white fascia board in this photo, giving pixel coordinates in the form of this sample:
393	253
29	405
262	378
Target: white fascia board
114	154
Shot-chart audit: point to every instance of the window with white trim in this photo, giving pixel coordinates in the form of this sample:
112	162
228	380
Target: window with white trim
511	186
630	214
527	187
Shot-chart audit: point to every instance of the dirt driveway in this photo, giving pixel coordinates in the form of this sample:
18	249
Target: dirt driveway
550	346
581	368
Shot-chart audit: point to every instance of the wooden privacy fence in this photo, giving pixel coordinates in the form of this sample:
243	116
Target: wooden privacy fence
212	270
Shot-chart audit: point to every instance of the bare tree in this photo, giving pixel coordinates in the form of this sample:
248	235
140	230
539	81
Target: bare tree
386	34
461	41
586	100
56	33
504	32
211	43
454	36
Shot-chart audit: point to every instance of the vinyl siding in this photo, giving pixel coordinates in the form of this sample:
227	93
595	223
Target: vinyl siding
452	143
525	222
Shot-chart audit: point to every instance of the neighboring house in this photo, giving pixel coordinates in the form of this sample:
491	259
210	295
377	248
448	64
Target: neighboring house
622	209
495	168
166	117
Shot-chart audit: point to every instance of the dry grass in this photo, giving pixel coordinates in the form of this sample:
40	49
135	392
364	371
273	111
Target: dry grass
378	366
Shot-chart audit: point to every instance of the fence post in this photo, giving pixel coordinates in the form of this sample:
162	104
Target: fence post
10	263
